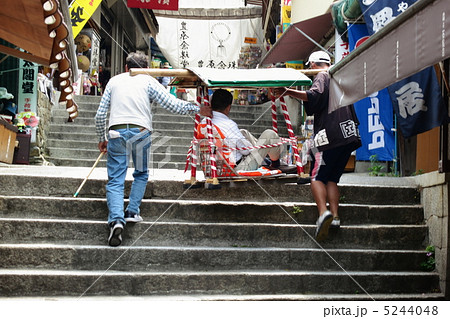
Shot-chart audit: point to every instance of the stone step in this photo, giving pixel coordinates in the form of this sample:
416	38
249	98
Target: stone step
157	126
160	155
265	190
163	152
151	258
85	162
275	282
91	103
236	113
255	112
162	121
211	211
82	135
21	231
92	143
76	144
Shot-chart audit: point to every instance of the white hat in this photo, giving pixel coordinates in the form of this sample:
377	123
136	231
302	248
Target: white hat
319	56
4	94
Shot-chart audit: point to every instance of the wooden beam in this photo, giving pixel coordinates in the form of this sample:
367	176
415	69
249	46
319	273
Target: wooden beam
23	55
185	73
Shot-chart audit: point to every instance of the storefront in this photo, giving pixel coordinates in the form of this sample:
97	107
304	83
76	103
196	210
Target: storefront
35	40
52	50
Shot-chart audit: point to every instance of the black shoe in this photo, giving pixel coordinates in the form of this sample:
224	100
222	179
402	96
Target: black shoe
132	217
303	180
115	234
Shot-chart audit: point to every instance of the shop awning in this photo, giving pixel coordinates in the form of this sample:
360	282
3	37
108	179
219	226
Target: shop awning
294	45
253	78
38	28
413	41
230	78
23	26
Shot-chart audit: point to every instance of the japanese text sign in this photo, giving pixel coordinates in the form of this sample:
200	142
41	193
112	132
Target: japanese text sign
27	97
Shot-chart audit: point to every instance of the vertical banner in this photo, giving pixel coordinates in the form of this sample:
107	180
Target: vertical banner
374	113
418	103
153	4
27	97
205	43
80	12
286	16
417	100
378	13
341	48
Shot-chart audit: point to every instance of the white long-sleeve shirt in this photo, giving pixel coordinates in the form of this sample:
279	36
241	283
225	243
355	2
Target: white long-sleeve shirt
129	100
233	135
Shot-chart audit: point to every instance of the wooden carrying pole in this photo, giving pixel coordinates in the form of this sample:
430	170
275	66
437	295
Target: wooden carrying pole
185	73
82	184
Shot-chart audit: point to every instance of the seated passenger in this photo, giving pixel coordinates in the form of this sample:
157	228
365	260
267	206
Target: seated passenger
246	160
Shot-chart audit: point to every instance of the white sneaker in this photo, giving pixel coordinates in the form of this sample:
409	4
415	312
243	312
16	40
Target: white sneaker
336	223
323	224
133	218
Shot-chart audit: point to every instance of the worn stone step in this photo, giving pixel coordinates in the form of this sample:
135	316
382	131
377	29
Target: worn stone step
77	144
90	283
263	115
72	135
151	258
157	126
157	141
266	190
211	211
161	135
84	162
18	230
69	135
163	152
160	153
88	129
244	120
350	297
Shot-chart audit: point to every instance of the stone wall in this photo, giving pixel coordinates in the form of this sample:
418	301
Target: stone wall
44	112
435	201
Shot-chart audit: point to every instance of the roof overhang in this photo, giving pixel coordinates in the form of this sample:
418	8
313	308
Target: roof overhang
415	40
40	35
299	40
23	26
211	13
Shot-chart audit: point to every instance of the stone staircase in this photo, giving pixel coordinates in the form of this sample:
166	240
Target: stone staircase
75	144
246	241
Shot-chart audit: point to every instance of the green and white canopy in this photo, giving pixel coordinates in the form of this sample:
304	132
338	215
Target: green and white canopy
244	78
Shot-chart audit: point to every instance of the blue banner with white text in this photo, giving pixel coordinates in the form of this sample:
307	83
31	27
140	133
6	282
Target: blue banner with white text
378	13
417	100
374	113
418	103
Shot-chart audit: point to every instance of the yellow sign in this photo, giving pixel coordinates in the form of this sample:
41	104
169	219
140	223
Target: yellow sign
80	12
250	40
286	14
298	65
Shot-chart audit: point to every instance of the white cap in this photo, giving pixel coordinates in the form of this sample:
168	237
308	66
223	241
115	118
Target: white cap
319	56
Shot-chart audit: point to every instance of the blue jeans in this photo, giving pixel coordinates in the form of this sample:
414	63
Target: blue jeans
122	144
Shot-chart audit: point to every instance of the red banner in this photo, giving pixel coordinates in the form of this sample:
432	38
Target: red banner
154	4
